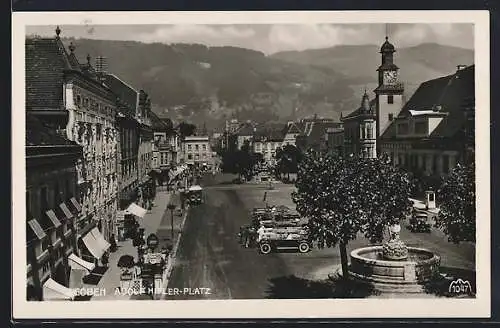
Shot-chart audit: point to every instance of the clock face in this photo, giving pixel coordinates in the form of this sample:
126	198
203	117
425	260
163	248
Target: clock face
390	77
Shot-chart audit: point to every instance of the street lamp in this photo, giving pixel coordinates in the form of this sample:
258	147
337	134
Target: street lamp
171	207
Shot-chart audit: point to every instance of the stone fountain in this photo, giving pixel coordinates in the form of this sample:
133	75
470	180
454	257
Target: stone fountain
394	267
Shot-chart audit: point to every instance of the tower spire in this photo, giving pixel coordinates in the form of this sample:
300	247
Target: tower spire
386	32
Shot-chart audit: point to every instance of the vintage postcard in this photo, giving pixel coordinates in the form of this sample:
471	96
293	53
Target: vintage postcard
251	164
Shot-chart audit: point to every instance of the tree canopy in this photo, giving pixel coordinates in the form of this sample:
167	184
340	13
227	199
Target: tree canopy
186	129
346	196
457	203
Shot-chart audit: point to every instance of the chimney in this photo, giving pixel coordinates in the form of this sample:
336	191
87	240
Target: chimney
461	67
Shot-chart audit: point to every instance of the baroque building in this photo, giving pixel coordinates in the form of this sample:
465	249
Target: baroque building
360	130
69	98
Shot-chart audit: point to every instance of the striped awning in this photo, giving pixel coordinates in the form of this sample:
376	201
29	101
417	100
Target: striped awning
67	213
75	203
53	291
77	263
37	229
93	246
104	245
53	218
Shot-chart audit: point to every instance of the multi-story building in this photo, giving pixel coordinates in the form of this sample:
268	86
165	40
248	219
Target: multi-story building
145	154
335	141
71	99
266	141
435	129
360	130
128	140
51	207
197	151
314	132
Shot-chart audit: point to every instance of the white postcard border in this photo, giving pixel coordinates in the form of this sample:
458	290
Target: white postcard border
335	308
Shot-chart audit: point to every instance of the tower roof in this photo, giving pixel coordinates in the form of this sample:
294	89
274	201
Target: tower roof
387	46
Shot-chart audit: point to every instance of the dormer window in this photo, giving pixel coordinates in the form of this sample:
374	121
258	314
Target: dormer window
421	127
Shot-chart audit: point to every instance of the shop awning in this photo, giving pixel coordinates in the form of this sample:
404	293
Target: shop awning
100	239
136	210
53	290
66	211
75	203
93	246
77	263
37	229
53	218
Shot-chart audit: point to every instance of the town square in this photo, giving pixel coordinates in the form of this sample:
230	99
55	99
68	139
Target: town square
184	169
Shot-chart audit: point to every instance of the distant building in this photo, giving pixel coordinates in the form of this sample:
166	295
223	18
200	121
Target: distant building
335	141
244	133
197	151
267	139
435	129
360	130
314	135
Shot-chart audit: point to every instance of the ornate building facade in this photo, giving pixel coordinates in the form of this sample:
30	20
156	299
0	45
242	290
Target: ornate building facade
360	130
70	98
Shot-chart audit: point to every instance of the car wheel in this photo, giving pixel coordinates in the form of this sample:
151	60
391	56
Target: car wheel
265	248
304	247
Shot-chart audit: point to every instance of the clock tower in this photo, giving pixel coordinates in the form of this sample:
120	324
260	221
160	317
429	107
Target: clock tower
389	93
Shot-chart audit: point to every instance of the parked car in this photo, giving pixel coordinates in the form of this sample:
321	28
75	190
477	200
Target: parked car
419	222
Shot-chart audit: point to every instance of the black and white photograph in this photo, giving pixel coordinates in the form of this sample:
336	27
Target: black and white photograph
252	164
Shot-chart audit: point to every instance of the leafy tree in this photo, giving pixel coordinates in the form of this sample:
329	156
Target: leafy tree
346	196
457	198
186	129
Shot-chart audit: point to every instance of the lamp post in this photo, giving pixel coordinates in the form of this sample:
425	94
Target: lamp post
171	207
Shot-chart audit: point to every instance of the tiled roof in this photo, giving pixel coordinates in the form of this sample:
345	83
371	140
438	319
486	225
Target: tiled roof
270	132
451	92
38	134
319	130
159	124
359	110
46	60
126	93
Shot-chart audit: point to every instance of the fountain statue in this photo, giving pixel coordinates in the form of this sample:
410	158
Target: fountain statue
394	249
393	266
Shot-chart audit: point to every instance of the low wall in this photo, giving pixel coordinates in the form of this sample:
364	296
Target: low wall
395	272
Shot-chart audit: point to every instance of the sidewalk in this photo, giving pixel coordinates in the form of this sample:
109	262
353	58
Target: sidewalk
151	223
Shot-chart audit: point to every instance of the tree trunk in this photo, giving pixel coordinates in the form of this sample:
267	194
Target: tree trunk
344	260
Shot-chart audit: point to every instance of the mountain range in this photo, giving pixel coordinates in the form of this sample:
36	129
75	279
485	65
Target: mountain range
206	85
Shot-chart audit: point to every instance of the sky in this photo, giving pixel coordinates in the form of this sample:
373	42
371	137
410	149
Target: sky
274	38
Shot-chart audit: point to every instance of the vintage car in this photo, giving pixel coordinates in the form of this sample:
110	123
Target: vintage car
195	195
419	222
284	238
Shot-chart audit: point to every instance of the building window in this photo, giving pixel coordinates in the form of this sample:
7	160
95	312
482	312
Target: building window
190	156
420	127
369	128
446	164
196	147
204	147
390	116
78	100
189	148
435	164
403	128
390	99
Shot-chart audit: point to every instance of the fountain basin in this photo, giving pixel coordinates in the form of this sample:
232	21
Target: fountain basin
407	275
